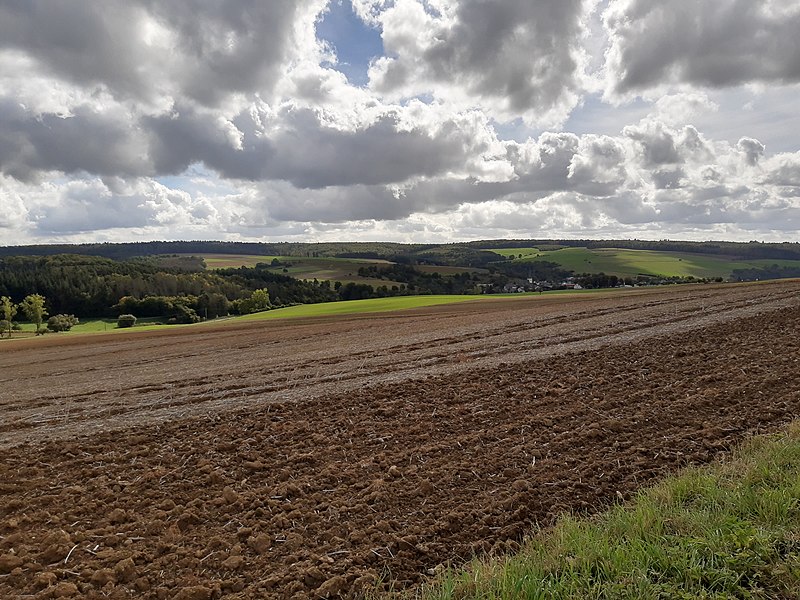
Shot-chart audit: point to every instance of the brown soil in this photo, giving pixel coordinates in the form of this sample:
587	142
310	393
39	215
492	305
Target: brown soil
313	459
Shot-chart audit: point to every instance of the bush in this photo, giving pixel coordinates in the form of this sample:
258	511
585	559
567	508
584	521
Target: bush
257	302
126	321
42	331
182	315
62	322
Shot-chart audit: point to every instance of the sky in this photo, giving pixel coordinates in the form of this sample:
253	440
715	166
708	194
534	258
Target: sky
398	120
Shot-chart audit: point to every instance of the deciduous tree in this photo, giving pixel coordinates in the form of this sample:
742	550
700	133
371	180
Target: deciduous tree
33	307
7	310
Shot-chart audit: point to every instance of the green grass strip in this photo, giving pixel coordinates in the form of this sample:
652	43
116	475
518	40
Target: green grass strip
730	530
350	307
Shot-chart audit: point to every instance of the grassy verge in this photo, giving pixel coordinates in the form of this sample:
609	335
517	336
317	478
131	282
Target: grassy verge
730	530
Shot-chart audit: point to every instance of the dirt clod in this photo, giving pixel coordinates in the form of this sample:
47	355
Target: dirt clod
9	562
65	589
125	570
195	592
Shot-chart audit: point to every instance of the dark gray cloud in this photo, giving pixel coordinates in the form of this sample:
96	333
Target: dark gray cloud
314	156
716	44
309	153
200	49
656	141
88	140
513	57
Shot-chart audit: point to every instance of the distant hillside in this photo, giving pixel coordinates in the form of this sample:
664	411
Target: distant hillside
742	250
524	259
632	264
446	253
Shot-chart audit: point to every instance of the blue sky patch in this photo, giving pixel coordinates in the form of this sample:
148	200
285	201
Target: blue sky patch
355	43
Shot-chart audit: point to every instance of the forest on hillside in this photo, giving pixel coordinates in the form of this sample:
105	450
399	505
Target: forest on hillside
91	286
181	289
467	253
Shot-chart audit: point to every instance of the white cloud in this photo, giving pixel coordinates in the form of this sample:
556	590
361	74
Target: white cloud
724	43
226	120
511	58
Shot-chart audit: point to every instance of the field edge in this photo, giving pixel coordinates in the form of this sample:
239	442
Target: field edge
731	527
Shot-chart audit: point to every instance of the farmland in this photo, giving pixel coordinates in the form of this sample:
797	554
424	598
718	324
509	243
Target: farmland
326	456
621	262
302	311
630	263
322	269
612	261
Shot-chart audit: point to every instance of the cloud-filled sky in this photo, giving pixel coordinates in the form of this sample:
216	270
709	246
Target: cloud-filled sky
401	120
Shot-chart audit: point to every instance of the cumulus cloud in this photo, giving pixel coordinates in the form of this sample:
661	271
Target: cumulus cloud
752	149
712	44
512	58
157	51
103	142
229	120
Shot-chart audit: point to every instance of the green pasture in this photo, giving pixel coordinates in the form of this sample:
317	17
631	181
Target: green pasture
352	307
234	261
630	263
515	252
344	270
96	326
324	309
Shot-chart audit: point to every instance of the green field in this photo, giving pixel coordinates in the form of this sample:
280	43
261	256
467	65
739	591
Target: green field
730	530
630	263
324	309
612	261
305	311
98	326
228	261
515	252
344	270
350	307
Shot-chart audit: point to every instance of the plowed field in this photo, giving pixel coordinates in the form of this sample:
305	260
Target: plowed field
309	460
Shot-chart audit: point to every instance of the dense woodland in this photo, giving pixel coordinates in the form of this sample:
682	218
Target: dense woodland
90	286
773	272
469	253
180	290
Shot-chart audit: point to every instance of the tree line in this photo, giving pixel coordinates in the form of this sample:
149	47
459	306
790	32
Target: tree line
90	286
177	289
468	253
33	307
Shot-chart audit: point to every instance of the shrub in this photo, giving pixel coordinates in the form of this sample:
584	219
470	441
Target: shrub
42	331
62	322
126	321
182	315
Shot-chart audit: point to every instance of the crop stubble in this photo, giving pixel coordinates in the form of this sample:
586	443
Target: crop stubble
310	459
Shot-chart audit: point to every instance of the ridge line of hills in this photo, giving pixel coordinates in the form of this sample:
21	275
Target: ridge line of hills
123	250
